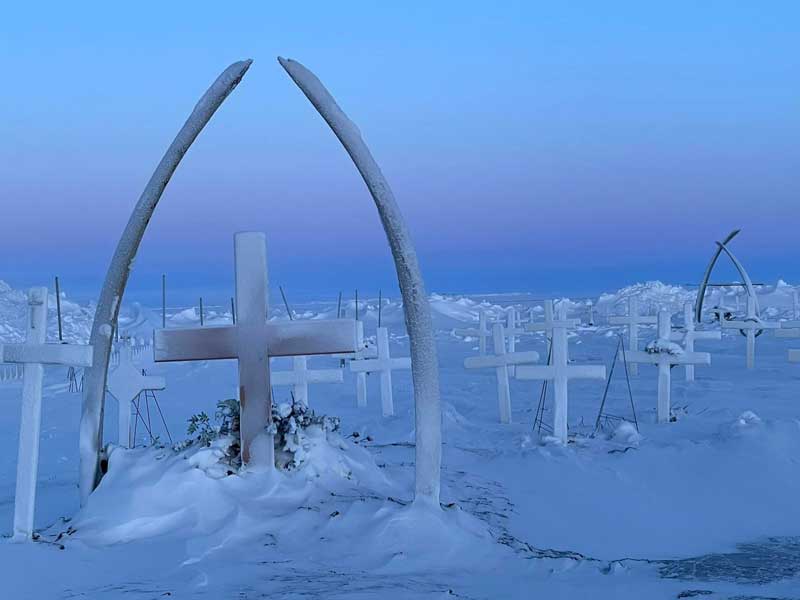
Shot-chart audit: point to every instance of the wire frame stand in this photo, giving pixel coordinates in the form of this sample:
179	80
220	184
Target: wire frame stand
607	420
141	405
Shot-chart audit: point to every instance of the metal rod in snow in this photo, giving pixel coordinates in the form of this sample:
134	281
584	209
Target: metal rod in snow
356	305
380	306
233	311
58	310
339	307
163	301
286	303
201	311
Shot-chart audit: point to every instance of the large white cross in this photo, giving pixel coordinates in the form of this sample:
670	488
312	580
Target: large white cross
500	361
664	354
300	376
690	335
252	341
34	354
383	364
632	321
481	332
751	327
549	320
125	383
560	372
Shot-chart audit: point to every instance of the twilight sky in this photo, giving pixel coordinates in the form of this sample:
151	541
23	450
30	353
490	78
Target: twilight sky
546	147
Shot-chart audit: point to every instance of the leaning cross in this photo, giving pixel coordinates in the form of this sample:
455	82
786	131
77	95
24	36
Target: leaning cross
300	376
560	371
252	341
751	327
125	384
632	321
383	364
665	354
34	354
482	332
500	361
690	335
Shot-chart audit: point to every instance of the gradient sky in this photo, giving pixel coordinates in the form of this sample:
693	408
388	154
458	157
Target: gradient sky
546	147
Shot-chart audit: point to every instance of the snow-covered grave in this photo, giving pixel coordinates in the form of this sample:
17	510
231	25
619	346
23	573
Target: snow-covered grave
252	341
300	376
632	321
549	322
751	326
690	335
500	361
126	383
34	353
665	354
481	332
384	364
560	371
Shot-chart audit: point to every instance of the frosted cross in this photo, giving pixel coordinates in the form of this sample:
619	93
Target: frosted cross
34	353
252	341
125	384
750	327
300	376
632	321
665	354
481	332
383	364
549	320
690	335
500	361
559	371
790	329
512	330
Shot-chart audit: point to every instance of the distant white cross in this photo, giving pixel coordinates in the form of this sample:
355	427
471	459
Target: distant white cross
500	361
252	341
751	327
512	330
690	335
549	320
383	364
300	376
632	321
559	371
125	384
34	353
481	332
664	354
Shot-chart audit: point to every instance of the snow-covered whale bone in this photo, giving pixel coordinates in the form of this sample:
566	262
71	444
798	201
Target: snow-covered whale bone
501	360
701	290
34	354
751	291
383	364
416	309
91	429
690	335
251	342
560	371
665	354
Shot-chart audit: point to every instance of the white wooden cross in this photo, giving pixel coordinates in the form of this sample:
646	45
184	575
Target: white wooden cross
252	341
632	321
125	384
364	351
690	335
500	361
383	364
549	320
512	330
559	371
665	354
751	327
788	329
482	332
34	353
300	376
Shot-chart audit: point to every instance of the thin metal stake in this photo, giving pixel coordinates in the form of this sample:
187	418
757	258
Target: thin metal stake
356	305
164	301
286	303
233	311
339	307
380	306
201	311
58	310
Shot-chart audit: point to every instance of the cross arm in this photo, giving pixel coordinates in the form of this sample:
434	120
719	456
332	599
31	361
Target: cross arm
302	338
535	372
206	343
48	354
515	358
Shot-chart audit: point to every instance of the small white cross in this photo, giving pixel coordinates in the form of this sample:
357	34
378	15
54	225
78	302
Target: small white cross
34	353
125	384
560	372
549	322
482	332
500	361
300	376
690	335
751	327
632	321
512	330
383	364
664	354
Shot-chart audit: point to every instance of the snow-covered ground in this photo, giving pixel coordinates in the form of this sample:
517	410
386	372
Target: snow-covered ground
706	506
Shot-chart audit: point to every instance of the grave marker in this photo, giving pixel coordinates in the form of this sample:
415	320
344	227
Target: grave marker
300	376
481	332
632	322
549	319
750	327
690	335
383	364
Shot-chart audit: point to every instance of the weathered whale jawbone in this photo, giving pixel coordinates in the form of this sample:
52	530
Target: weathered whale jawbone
91	428
424	362
701	291
751	291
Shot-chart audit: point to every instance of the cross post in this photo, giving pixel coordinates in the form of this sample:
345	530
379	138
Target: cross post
690	335
632	321
383	364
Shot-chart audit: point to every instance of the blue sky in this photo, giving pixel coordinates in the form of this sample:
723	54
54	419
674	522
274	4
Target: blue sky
532	146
